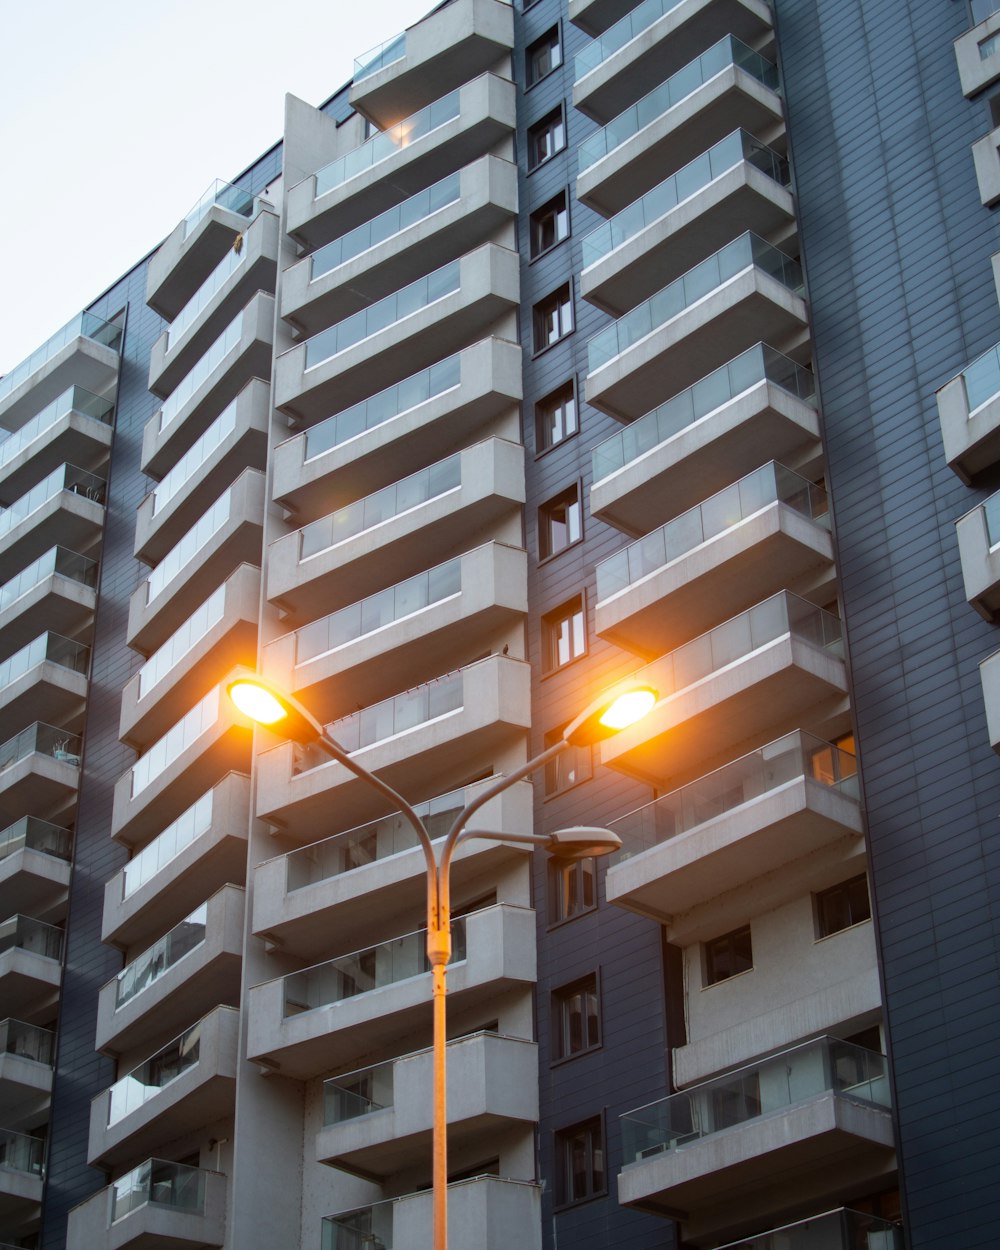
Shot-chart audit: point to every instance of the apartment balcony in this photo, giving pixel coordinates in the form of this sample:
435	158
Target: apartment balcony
434	513
66	506
765	533
977	52
59	587
775	806
227	534
969	412
494	1213
492	1087
22	1170
450	132
833	1230
401	334
39	772
209	741
429	229
25	1073
249	265
193	968
85	352
201	850
195	246
723	1154
747	290
34	868
765	672
241	352
407	633
978	538
220	634
421	742
704	438
310	1021
408	426
727	87
159	1205
325	892
75	428
30	967
654	40
439	53
185	1085
738	184
46	679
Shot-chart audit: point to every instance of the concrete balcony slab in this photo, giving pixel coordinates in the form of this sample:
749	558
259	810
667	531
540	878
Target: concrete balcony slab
68	517
971	436
156	1223
83	361
34	882
29	984
38	783
25	1090
73	438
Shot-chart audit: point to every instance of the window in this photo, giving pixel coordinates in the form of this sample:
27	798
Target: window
553	318
564	635
560	523
549	224
572	889
576	1018
580	1162
843	905
543	56
546	137
555	418
728	955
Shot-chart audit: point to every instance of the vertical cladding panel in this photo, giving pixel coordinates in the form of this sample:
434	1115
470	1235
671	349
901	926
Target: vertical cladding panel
897	253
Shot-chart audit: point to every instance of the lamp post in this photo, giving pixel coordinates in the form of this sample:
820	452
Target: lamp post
627	703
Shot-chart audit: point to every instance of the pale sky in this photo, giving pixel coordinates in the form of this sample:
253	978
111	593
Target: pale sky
115	115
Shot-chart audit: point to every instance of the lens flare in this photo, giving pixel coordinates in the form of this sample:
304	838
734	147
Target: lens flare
256	703
628	708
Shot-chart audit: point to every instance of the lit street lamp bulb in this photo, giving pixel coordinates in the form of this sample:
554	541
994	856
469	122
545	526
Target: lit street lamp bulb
628	708
257	703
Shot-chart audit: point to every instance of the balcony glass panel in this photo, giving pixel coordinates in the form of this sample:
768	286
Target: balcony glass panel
65	477
28	1041
148	967
982	9
784	1080
728	51
991	511
56	561
387	142
235	199
686	290
155	1073
623	32
769	484
694	177
36	835
758	364
336	980
386	312
833	1230
389	502
379	610
107	333
161	1183
43	739
382	407
385	225
175	741
75	399
386	53
27	934
402	712
194	457
207	291
53	647
21	1153
194	541
226	343
982	379
182	640
167	845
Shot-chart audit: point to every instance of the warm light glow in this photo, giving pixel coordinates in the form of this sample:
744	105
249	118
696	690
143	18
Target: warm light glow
257	703
628	708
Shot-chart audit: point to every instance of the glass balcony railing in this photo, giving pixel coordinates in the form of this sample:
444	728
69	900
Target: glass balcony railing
400	713
30	833
384	406
729	51
227	196
41	739
387	142
735	784
84	324
378	610
52	647
21	1153
75	399
388	963
224	345
386	53
146	969
694	177
57	561
65	477
991	514
771	483
623	32
368	235
167	845
180	642
389	502
160	1183
155	1073
746	251
198	537
833	1230
193	459
27	1041
208	290
386	312
759	364
27	934
175	741
982	379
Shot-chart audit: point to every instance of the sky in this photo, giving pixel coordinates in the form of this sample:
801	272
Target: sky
116	115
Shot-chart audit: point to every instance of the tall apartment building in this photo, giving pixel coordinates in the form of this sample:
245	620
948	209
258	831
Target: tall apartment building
570	340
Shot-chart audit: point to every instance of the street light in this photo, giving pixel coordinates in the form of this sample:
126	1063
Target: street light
618	709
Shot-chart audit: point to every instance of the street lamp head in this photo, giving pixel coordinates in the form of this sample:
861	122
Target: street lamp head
263	703
582	842
612	712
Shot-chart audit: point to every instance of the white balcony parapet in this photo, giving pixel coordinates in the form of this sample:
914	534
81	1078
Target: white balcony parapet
60	584
85	351
969	411
74	427
977	52
27	522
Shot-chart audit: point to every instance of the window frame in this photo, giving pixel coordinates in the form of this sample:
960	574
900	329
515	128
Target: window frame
551	623
557	875
556	310
560	998
566	389
852	899
543	42
533	221
570	497
562	1143
553	122
709	955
